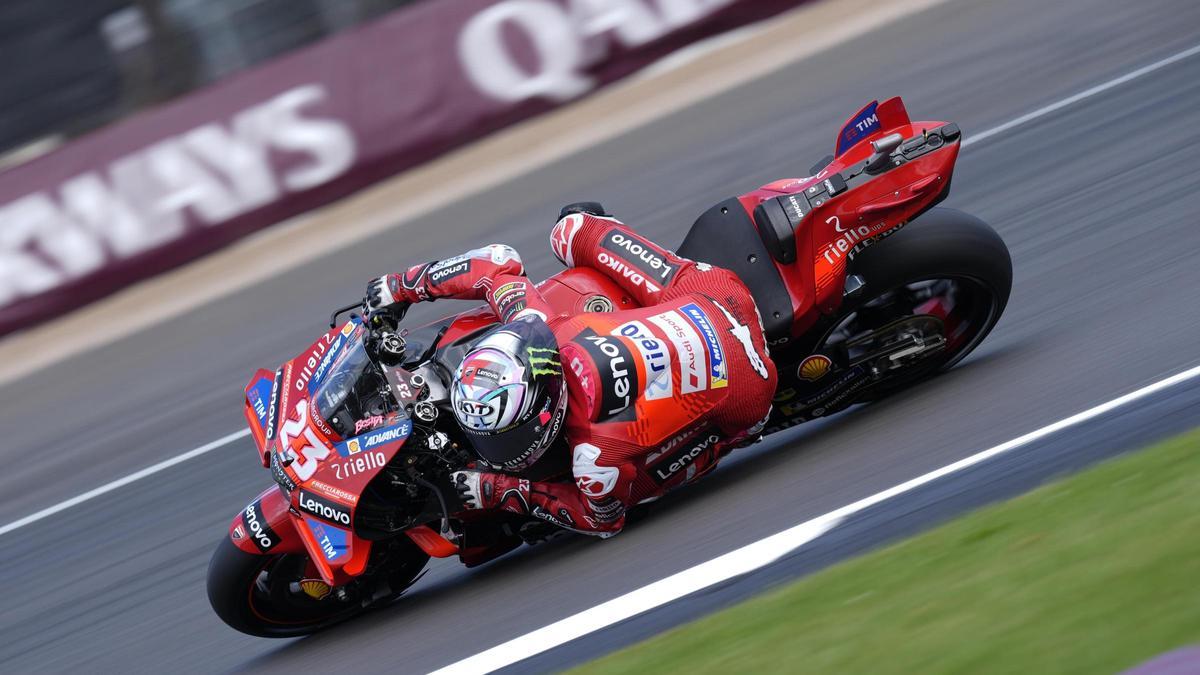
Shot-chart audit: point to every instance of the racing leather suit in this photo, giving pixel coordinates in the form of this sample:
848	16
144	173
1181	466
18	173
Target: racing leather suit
656	394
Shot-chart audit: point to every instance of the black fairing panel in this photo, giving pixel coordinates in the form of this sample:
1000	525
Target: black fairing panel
725	236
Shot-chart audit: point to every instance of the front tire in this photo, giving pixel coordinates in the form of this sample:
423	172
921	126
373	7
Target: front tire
254	595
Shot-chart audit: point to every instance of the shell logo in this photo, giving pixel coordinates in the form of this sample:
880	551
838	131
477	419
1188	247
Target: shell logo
814	368
315	588
353	447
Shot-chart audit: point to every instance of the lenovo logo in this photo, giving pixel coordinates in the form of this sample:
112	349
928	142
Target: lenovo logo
324	509
262	535
670	467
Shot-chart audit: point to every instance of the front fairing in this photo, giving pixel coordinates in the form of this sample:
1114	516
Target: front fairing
321	459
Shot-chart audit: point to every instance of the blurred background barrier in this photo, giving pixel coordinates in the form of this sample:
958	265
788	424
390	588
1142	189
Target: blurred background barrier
139	134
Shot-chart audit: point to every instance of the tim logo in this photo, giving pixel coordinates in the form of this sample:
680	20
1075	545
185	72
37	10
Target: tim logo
859	127
863	125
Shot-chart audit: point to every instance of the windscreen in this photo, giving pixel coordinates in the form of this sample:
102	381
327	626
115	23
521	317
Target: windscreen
354	397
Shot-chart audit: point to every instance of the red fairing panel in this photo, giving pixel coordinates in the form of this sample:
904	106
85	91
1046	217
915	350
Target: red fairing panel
265	526
836	229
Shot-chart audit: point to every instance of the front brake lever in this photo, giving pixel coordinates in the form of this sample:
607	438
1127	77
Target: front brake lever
333	317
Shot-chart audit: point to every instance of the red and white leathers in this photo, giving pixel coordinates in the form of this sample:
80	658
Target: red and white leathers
656	394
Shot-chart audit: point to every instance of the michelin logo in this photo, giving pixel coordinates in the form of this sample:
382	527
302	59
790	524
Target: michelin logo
718	371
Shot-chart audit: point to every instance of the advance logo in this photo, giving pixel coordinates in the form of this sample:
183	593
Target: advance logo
398	432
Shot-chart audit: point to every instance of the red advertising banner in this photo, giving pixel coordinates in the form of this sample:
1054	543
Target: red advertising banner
170	184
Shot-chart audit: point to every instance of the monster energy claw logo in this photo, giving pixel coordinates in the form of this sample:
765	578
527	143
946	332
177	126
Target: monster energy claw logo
544	361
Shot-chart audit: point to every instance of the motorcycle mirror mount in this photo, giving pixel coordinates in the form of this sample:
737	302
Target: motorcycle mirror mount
819	166
880	161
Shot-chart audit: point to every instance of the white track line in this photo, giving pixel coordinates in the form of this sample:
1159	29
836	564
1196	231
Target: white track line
225	440
122	482
756	555
1087	93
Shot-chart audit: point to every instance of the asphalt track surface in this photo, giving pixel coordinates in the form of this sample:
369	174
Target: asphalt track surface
1002	476
1097	202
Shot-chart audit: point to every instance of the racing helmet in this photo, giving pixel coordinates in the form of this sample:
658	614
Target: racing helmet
509	395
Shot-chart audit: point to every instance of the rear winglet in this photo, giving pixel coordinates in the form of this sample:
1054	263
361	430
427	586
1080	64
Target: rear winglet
871	122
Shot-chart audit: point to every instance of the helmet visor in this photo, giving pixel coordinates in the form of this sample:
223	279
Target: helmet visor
520	445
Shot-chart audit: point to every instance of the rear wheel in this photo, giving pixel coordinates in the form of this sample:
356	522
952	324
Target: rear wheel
930	295
277	596
941	284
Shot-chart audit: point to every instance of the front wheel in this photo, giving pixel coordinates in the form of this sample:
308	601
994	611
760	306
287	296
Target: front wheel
279	596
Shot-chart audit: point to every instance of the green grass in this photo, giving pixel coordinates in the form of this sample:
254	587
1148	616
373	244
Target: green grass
1093	574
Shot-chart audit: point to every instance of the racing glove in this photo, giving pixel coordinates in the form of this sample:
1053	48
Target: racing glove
487	491
382	292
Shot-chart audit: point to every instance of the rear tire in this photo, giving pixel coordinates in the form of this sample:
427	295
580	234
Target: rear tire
941	244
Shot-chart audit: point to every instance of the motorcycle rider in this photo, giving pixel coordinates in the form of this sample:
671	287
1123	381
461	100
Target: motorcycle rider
650	398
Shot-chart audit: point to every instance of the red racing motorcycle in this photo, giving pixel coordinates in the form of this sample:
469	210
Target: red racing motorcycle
863	285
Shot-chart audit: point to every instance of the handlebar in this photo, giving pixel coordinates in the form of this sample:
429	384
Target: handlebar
392	314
